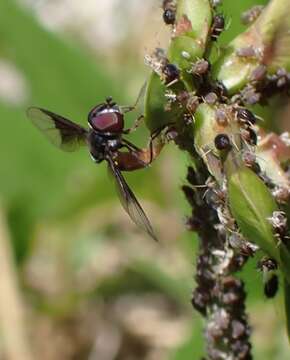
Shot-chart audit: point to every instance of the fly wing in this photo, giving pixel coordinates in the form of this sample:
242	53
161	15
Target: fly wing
129	201
60	131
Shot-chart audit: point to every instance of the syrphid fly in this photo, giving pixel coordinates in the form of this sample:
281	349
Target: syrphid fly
105	139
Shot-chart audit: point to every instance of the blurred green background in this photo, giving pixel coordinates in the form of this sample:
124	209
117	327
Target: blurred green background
91	286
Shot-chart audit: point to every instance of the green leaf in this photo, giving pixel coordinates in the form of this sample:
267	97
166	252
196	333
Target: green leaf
287	306
156	116
193	21
235	71
199	14
206	128
252	205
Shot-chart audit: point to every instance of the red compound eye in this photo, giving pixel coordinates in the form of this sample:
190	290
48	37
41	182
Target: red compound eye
107	120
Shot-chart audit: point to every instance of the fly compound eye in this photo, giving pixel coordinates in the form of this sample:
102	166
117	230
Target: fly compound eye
222	142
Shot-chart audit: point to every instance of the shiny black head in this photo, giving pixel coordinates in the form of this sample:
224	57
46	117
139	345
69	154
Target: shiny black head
106	117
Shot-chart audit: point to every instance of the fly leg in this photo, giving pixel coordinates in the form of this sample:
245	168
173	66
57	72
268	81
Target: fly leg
135	125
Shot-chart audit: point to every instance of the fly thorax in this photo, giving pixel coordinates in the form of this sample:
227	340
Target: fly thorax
114	144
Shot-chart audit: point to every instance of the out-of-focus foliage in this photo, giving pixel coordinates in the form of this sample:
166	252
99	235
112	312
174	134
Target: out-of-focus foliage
89	276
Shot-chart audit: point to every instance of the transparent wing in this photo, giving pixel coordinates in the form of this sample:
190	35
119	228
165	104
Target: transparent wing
129	201
60	131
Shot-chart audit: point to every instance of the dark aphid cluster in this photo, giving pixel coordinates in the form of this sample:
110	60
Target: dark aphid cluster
222	142
169	11
229	323
218	26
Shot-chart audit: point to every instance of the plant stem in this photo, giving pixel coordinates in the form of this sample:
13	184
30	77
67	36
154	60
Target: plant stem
219	296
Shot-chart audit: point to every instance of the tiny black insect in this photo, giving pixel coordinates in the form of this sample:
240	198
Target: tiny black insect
222	142
104	139
169	13
218	26
171	73
245	115
169	17
271	286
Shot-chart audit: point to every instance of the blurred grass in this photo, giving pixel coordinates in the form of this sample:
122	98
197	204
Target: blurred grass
47	189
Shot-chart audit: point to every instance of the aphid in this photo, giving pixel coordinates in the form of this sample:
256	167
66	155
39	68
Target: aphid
214	195
282	77
267	264
281	194
246	116
188	119
211	98
221	117
249	95
192	103
249	16
169	16
200	67
169	13
237	242
247	52
249	158
259	73
249	135
104	139
220	89
271	286
269	267
222	142
156	61
218	26
171	73
279	222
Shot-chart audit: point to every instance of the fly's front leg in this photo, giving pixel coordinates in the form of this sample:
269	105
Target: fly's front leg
135	125
153	136
130	146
